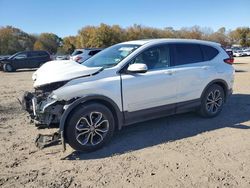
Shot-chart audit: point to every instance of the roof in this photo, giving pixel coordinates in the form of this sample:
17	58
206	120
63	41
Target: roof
155	41
82	49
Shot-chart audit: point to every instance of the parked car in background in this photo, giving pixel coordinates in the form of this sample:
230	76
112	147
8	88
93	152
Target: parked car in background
26	59
247	52
238	53
128	83
62	57
230	53
2	57
81	55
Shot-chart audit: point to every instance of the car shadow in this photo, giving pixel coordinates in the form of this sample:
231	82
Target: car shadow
237	70
155	132
21	70
26	70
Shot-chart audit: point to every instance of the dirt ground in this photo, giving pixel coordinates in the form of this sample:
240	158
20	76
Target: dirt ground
179	151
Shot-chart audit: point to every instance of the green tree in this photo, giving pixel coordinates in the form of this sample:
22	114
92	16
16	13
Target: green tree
190	33
86	36
13	40
100	36
240	36
220	36
49	42
69	45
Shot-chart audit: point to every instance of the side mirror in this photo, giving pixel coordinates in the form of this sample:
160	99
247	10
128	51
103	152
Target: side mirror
137	68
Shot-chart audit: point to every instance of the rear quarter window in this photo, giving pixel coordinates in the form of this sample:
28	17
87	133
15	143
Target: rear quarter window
39	54
43	54
209	52
93	52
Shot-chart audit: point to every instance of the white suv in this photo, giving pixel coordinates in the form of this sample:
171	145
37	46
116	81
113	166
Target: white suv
81	55
127	83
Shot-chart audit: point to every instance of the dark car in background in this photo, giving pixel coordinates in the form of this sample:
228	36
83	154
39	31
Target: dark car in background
26	59
3	57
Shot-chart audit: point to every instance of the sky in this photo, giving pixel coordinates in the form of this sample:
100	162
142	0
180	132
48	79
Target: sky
66	17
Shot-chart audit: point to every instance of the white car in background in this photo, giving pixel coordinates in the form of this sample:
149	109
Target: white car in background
81	55
128	83
238	53
62	57
247	52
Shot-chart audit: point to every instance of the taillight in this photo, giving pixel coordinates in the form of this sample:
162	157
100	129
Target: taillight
78	58
229	61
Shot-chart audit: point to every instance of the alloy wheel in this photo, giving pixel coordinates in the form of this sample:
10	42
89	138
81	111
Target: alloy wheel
91	129
214	101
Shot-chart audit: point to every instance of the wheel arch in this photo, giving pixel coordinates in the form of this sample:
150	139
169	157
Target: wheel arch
5	63
118	115
219	82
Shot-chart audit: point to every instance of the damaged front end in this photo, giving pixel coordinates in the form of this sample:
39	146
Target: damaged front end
43	109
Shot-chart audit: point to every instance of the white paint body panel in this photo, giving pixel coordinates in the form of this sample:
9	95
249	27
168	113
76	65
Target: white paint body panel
147	90
139	91
55	71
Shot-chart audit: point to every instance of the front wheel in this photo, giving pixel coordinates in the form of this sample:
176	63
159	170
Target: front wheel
212	101
90	127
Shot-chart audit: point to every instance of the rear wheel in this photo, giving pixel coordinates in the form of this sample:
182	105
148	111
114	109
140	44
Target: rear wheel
8	68
90	127
212	101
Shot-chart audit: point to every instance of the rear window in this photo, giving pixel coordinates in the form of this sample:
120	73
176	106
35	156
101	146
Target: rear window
187	54
93	52
77	52
209	52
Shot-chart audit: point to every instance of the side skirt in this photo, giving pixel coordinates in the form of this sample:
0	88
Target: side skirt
160	111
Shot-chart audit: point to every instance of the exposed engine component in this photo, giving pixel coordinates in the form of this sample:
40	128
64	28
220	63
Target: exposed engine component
39	106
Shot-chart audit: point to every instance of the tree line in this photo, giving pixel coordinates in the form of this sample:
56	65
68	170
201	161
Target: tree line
13	39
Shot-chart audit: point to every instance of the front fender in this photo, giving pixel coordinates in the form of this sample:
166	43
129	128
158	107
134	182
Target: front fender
73	105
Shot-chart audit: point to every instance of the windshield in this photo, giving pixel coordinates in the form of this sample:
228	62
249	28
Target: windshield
111	56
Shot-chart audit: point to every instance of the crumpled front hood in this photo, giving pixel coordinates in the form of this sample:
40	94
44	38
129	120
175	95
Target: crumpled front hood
56	71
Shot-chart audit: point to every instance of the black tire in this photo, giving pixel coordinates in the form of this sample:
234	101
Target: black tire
212	101
82	137
8	68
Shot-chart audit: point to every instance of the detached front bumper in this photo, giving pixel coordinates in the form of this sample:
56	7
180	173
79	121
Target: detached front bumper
42	109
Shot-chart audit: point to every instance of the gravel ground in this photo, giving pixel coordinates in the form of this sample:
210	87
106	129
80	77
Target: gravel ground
179	151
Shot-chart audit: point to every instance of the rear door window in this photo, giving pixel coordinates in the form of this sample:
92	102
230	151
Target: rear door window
38	54
209	52
33	54
187	53
43	54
